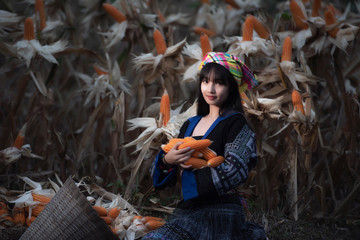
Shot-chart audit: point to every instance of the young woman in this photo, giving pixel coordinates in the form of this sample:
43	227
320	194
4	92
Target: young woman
211	207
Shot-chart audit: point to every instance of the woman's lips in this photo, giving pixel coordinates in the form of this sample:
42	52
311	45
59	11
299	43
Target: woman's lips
211	97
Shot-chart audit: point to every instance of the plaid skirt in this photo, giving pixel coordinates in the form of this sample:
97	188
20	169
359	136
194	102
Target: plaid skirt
220	222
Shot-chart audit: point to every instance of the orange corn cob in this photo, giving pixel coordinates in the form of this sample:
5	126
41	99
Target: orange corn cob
100	210
19	140
37	210
114	212
201	30
299	17
333	9
297	101
161	16
99	71
29	33
151	218
197	145
207	153
330	19
39	8
152	225
248	28
114	12
205	44
19	216
260	29
189	139
196	162
286	50
107	219
40	198
232	3
137	217
315	8
215	161
165	107
205	1
30	220
159	42
197	154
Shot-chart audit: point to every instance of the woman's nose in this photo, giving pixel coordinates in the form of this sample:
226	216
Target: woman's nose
211	87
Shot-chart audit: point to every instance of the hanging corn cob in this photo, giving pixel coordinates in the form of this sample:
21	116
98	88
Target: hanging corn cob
248	28
201	30
29	33
297	101
205	44
40	10
299	15
159	42
286	50
114	13
330	20
165	108
316	8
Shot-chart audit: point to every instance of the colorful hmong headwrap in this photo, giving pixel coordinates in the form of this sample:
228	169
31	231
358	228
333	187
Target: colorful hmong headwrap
242	74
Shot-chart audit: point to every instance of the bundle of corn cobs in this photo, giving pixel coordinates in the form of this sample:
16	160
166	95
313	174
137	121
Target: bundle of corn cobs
203	156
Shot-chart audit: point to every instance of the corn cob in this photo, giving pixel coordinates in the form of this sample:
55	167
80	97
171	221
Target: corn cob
19	216
152	225
197	154
333	9
151	218
201	30
330	19
39	7
197	145
205	44
165	107
299	17
114	212
297	101
287	50
100	210
260	28
159	42
40	198
161	16
207	153
114	12
248	28
29	33
215	161
107	219
315	8
196	163
99	71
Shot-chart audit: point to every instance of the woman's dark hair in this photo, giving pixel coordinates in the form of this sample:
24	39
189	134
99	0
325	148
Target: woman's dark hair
233	101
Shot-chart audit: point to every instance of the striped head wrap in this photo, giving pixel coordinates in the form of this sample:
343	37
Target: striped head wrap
241	73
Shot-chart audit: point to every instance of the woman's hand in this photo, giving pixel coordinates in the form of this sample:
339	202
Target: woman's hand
178	156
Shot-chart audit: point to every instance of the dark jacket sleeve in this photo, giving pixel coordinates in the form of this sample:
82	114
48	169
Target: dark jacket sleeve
240	156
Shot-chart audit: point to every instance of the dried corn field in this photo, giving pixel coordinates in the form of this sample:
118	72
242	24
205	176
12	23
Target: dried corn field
92	89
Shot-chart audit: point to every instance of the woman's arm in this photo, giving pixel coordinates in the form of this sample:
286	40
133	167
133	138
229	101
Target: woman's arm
240	156
165	166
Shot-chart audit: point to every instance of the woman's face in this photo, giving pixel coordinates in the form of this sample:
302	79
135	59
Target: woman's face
214	91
